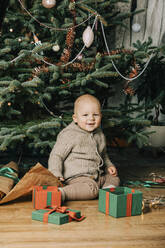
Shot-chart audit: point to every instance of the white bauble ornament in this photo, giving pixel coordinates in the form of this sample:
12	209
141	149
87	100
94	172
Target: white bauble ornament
88	36
48	3
56	48
136	27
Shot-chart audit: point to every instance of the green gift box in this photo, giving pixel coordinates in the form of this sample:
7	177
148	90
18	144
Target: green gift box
44	196
57	215
120	201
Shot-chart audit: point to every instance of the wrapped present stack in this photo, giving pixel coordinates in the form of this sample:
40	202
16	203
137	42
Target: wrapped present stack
120	201
47	202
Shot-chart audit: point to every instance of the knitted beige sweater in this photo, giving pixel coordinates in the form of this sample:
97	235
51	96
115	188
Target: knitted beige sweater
78	152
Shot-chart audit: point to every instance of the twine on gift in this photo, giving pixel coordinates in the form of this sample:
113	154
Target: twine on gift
63	210
9	173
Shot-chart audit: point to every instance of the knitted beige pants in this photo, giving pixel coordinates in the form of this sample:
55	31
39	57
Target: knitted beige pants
85	188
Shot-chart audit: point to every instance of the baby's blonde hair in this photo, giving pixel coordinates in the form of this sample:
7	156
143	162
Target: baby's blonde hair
87	98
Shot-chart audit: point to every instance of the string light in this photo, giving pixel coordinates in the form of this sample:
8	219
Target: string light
19	56
80	52
128	79
51	27
70	62
77	56
50	112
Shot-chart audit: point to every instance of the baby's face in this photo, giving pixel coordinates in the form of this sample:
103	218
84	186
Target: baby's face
88	115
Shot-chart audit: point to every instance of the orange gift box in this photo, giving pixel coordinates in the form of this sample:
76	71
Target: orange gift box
44	196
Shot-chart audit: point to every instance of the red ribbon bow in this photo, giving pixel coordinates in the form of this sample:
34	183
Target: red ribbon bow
63	209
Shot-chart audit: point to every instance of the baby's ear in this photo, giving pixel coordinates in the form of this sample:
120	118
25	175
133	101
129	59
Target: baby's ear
74	118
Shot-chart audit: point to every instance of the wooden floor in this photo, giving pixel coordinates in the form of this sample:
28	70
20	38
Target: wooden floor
18	230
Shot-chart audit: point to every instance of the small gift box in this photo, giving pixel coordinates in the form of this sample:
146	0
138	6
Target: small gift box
120	201
44	196
8	178
57	215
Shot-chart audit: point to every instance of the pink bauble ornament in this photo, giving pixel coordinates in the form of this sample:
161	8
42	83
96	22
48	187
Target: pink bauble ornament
48	3
79	57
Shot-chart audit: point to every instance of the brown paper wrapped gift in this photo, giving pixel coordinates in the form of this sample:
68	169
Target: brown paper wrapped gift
9	178
37	175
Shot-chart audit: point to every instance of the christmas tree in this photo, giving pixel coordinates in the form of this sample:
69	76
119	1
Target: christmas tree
50	53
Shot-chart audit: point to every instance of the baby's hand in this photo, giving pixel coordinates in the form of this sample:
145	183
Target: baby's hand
112	170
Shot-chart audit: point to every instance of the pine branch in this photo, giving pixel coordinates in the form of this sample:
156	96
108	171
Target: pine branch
92	11
4	5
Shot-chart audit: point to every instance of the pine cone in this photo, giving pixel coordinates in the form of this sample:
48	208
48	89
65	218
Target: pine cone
65	56
70	38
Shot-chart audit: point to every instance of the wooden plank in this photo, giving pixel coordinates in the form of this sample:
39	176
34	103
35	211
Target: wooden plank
18	230
152	22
